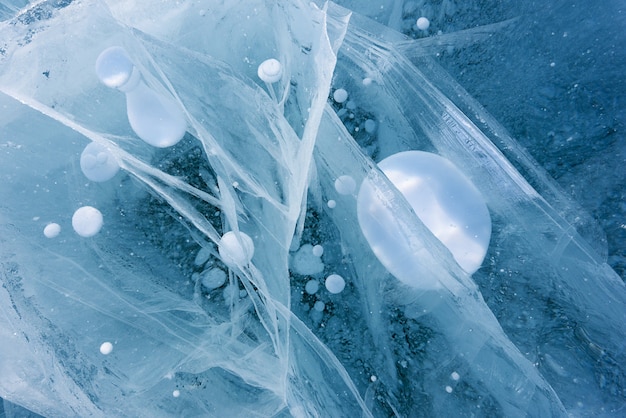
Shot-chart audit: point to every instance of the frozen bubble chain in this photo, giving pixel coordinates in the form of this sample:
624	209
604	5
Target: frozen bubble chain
52	230
236	249
335	283
87	221
156	119
97	163
446	201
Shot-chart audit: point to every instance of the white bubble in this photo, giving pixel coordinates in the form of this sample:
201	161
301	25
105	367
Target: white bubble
229	293
305	262
114	67
213	278
370	126
236	249
335	283
423	23
176	393
311	287
97	163
52	230
270	70
87	221
449	389
345	185
202	256
106	348
373	378
367	81
318	250
319	306
331	204
455	376
340	95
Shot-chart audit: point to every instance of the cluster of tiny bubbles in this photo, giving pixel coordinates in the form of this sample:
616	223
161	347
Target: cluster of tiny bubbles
360	123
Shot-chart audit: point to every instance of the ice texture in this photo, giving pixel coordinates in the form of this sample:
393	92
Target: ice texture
195	325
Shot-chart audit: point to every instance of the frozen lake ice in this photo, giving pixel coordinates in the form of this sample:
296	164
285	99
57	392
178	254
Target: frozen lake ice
181	226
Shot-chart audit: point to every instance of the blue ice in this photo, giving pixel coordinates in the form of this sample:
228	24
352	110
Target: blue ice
202	294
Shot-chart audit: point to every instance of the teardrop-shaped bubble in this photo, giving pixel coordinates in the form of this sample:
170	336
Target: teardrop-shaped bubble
156	119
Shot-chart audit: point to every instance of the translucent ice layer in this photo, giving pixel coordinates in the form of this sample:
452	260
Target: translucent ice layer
229	274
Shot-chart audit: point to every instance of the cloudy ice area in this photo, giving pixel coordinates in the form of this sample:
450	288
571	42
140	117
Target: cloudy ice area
194	221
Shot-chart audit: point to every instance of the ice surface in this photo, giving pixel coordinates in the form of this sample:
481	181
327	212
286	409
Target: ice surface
536	331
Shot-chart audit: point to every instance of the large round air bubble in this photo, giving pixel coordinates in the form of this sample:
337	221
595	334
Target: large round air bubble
87	221
236	249
97	163
444	199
